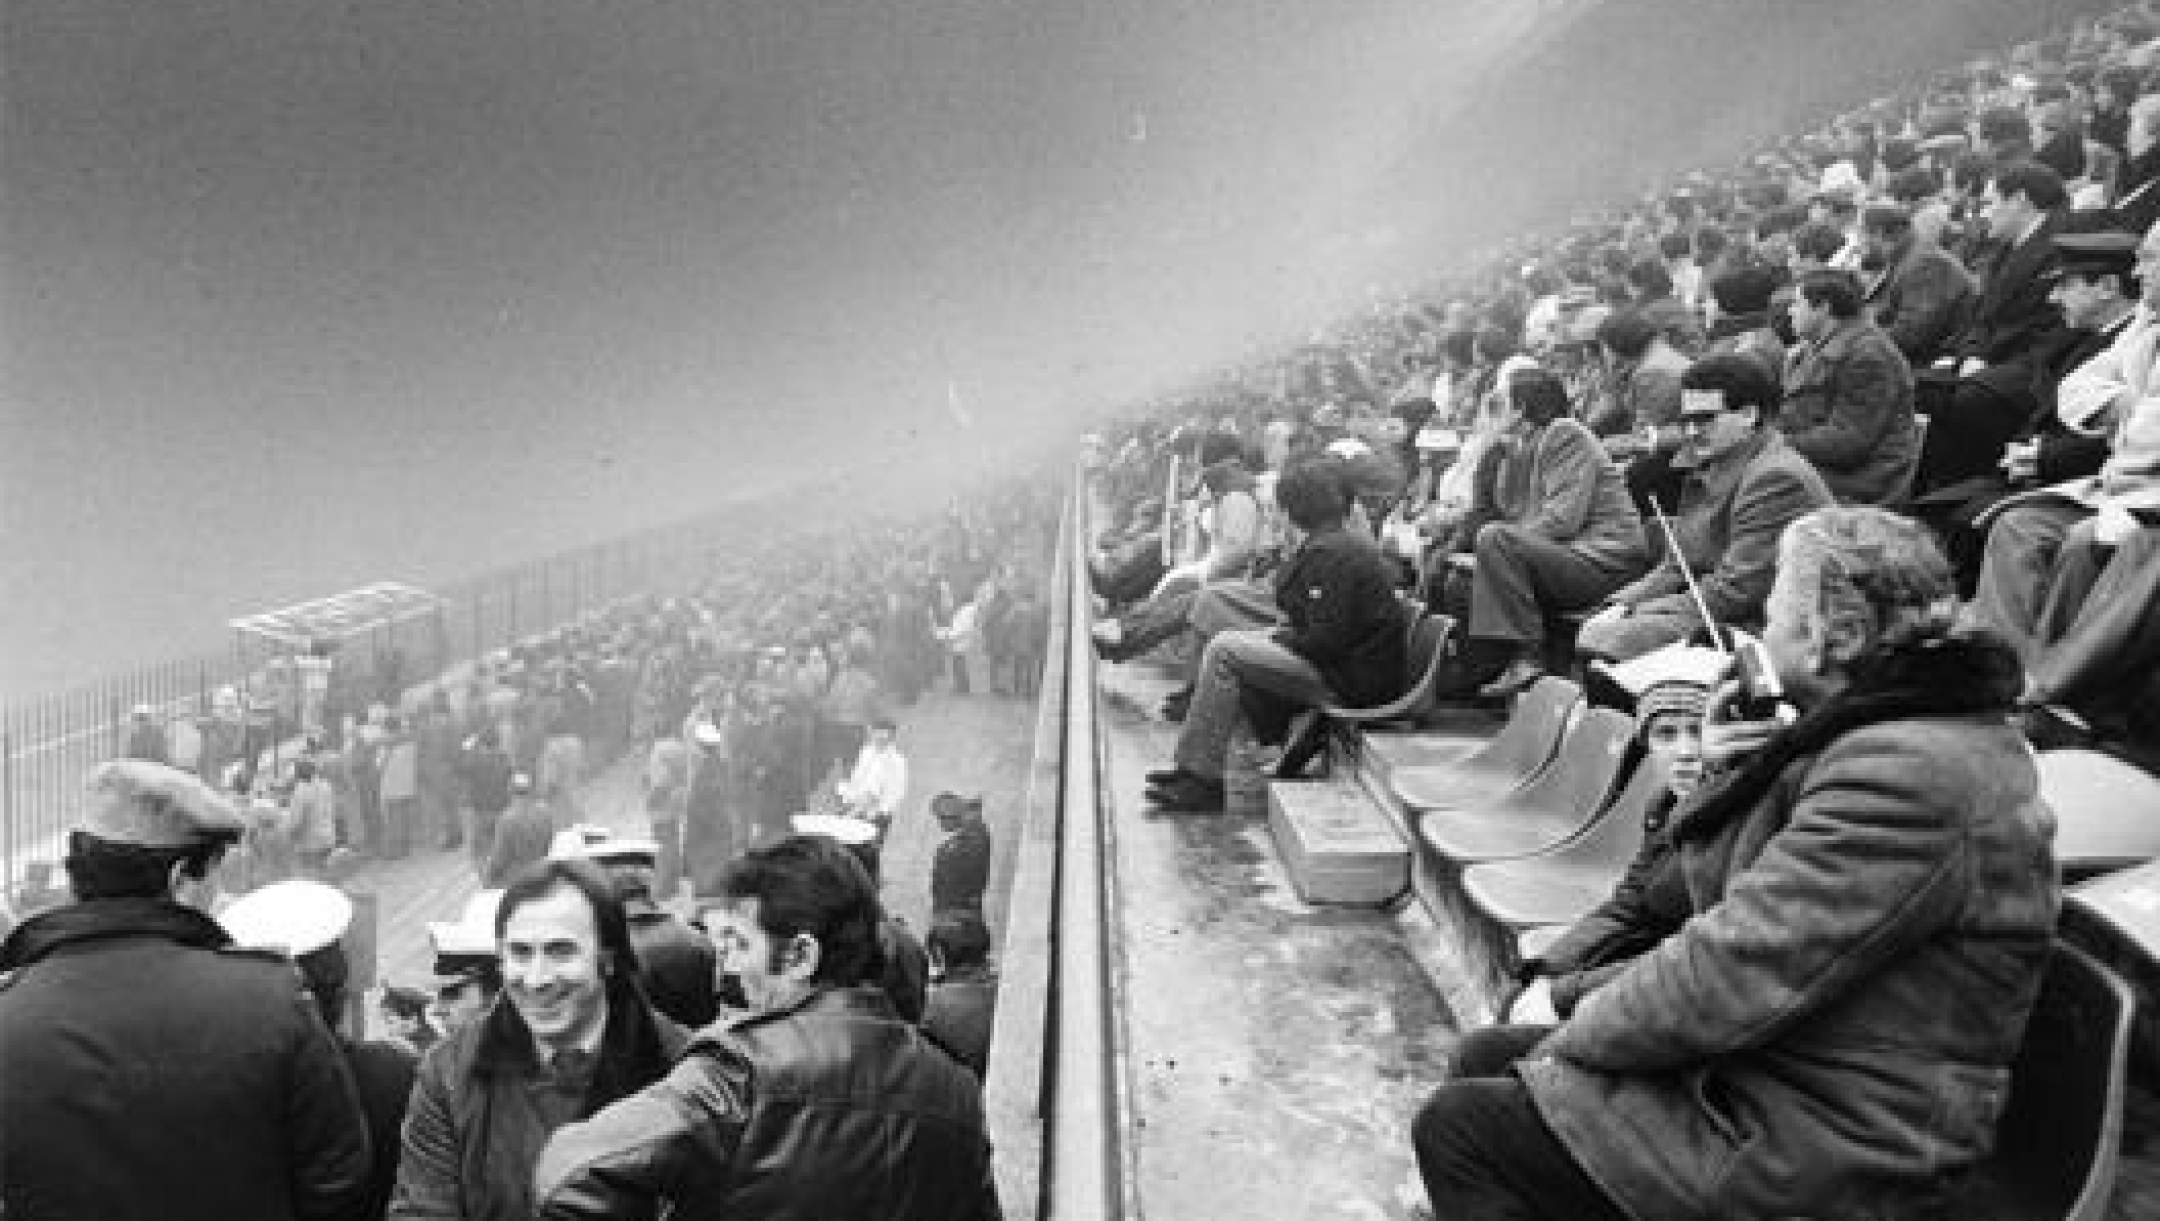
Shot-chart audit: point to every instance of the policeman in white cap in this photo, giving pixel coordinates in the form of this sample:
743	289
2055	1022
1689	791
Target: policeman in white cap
152	1071
468	963
677	965
308	920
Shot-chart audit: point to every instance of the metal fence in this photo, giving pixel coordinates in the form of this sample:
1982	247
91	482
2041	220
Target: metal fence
48	743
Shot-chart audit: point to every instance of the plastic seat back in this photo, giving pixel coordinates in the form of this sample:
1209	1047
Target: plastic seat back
1519	752
2107	812
2057	1145
1563	885
1556	805
2127	903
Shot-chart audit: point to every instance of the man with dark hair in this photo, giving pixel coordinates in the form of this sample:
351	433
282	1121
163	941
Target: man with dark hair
963	992
1848	394
571	1033
1643	370
1922	296
960	869
1342	639
149	1071
1971	394
676	963
820	1102
1745	484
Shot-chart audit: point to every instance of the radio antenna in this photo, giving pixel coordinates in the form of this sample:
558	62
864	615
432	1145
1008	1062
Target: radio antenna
1672	544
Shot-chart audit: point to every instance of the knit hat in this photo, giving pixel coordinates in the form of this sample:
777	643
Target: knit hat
1676	678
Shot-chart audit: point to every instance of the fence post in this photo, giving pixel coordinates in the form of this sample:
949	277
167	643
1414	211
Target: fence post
7	800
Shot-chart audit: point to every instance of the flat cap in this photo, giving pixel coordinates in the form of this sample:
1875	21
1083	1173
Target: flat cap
297	916
135	801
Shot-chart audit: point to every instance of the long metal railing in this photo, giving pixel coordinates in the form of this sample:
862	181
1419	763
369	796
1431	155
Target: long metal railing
1083	1171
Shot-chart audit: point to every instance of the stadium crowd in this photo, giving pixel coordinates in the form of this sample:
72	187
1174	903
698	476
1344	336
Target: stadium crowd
1875	410
711	1013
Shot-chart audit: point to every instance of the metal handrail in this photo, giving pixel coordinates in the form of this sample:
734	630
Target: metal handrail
1084	1149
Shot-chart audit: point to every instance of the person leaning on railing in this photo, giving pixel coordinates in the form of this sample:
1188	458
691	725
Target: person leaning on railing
1873	891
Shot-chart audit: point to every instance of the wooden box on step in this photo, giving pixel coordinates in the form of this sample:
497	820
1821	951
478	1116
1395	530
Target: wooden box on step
1336	844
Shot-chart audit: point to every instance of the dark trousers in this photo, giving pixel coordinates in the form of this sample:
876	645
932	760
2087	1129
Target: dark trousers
1522	577
1969	422
1484	1152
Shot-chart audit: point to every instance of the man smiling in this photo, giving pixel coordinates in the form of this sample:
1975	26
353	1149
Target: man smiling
570	1034
820	1102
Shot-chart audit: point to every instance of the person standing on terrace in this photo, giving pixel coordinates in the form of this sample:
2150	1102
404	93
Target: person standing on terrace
1872	894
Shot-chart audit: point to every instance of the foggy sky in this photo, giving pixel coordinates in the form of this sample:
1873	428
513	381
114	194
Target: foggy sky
300	295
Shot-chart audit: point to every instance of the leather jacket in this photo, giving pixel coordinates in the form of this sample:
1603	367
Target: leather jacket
832	1107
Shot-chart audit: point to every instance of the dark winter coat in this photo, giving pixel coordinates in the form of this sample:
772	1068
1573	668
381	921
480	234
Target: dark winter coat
960	869
1340	612
1873	893
1849	411
833	1107
150	1073
484	1106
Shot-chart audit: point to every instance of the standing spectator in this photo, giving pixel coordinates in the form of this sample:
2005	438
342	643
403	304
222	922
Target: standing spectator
851	704
711	817
145	737
1848	394
436	760
308	921
523	837
878	783
152	1072
960	869
313	818
667	798
399	787
570	1035
823	1103
486	772
963	989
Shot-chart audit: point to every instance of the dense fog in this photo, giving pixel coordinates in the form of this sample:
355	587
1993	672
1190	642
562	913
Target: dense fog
304	295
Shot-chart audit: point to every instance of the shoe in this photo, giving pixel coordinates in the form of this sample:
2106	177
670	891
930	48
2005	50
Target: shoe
1514	680
1189	794
1165	775
1174	708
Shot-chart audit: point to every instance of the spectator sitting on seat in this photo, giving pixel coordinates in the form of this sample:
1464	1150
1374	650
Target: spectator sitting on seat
1923	293
2098	294
1745	484
1554	533
1342	639
1670	687
1644	371
1972	393
571	1033
963	989
1848	394
1872	897
820	1103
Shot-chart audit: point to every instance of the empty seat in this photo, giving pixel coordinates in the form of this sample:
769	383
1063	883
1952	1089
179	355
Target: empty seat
2107	812
1533	942
1426	648
2057	1146
1563	885
1522	748
2127	902
1557	805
